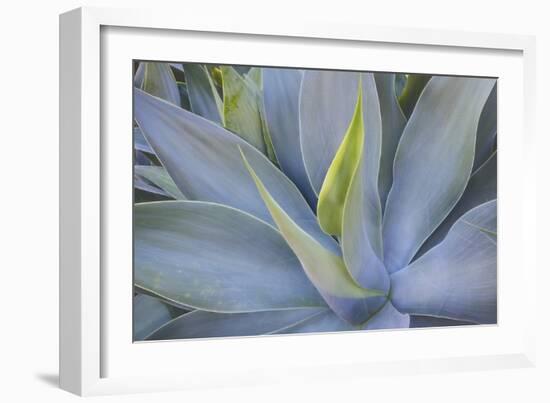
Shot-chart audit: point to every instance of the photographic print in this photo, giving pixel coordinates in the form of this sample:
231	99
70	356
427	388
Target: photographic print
272	201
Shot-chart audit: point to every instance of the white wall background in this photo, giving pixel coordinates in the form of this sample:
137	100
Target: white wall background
29	198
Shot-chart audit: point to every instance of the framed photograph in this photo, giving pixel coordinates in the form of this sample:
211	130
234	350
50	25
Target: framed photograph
249	199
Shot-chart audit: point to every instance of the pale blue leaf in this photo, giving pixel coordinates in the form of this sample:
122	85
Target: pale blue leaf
158	80
432	164
160	178
433	321
361	236
457	279
387	318
203	96
204	161
150	314
216	258
481	188
140	143
327	102
486	130
393	122
201	324
139	74
145	185
281	99
323	322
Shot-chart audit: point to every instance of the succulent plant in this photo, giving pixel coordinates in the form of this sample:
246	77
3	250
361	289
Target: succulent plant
276	201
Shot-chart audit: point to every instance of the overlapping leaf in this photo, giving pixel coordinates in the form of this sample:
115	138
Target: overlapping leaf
204	161
216	258
433	163
158	80
201	324
457	278
325	269
203	96
281	92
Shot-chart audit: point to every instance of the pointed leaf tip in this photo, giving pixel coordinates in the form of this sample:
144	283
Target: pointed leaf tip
325	269
340	174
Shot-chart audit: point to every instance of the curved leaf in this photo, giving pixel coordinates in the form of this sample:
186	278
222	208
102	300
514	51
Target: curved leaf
457	279
140	143
324	322
486	130
281	92
361	236
481	188
158	80
393	122
327	102
330	209
325	269
241	110
203	96
201	324
216	258
387	318
149	315
160	178
204	161
411	92
432	164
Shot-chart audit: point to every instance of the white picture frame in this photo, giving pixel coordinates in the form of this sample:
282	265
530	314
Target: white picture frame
96	354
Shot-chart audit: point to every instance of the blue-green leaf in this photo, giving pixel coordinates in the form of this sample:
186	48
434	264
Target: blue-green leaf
204	161
140	143
203	96
393	122
387	318
241	111
324	268
486	130
216	258
327	102
201	324
432	164
160	178
281	99
457	279
482	187
414	86
158	80
434	321
361	237
150	314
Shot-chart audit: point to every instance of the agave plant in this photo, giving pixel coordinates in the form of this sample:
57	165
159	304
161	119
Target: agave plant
273	201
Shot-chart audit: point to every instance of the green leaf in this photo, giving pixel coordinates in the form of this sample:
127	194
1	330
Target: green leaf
413	88
216	258
203	96
335	187
325	269
160	178
241	110
159	80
